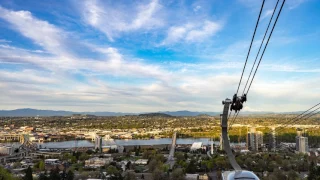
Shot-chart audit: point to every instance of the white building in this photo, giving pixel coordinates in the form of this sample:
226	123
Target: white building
192	176
6	150
196	146
51	161
106	148
141	161
98	162
302	144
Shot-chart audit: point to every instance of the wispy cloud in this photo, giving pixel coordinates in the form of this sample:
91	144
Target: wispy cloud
78	67
55	41
192	32
43	33
295	3
4	41
113	20
266	14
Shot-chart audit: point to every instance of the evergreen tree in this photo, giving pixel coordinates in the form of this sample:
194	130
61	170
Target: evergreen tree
128	165
70	175
28	175
191	168
43	177
63	175
314	172
54	174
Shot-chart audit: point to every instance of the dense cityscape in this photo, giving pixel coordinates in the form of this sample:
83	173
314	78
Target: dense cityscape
139	146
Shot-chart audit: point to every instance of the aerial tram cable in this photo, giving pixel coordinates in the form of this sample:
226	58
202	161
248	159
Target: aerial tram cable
281	128
254	33
229	115
310	116
265	47
265	34
300	115
300	118
236	104
233	120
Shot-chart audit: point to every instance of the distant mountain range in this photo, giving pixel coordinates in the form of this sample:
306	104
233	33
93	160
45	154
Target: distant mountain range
36	112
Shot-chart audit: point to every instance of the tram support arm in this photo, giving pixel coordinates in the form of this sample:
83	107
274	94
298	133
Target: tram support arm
225	137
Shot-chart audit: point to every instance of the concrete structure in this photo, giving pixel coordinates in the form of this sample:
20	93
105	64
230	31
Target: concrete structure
211	146
254	140
14	156
170	160
273	147
224	128
98	143
221	143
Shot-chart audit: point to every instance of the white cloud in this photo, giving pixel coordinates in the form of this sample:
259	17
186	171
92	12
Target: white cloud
27	76
192	32
43	33
55	40
56	78
5	41
114	20
235	52
208	29
295	3
267	14
197	8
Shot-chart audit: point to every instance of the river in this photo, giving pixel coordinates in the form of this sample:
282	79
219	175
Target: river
129	142
124	142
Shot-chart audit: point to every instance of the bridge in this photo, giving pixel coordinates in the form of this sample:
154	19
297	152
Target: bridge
26	143
170	160
24	149
14	156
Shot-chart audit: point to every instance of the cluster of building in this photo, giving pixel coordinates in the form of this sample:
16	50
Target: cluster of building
6	150
254	140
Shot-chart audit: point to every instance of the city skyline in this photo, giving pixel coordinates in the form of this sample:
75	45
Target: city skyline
150	56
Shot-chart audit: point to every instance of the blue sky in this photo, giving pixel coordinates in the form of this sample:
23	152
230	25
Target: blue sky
144	56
